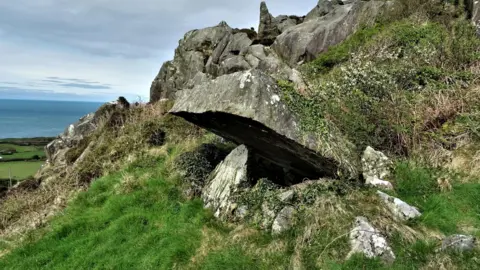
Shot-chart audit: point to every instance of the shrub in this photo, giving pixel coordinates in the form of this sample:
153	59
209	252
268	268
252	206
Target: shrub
197	165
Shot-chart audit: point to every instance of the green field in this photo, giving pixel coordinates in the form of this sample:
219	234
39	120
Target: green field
20	169
23	152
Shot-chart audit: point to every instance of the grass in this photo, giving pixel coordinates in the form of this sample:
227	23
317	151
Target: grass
19	169
134	219
453	211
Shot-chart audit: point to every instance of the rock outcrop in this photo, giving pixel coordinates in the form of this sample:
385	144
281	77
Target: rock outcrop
57	149
376	167
73	134
219	50
247	108
399	208
328	24
367	240
229	176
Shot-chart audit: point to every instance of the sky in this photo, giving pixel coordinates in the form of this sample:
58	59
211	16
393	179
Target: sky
97	50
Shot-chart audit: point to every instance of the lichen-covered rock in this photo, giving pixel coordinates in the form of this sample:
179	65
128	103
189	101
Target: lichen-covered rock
376	167
247	108
459	243
229	176
284	220
367	240
399	208
330	23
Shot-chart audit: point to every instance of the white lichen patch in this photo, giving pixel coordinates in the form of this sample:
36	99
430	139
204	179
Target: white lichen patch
274	99
245	78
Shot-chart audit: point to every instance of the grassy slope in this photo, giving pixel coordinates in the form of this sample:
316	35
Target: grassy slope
139	219
20	169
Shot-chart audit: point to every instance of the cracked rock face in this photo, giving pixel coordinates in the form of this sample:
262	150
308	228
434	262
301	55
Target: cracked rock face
376	167
399	208
365	239
229	176
247	108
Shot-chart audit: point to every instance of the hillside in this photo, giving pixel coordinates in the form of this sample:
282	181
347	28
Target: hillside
344	139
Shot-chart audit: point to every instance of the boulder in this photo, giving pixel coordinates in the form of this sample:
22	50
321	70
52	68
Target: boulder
399	208
328	24
367	240
229	176
284	220
376	167
247	108
459	243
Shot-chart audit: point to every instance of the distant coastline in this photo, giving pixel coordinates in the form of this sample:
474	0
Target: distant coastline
23	118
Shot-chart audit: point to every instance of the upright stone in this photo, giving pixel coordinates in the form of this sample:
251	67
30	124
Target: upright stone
267	30
229	176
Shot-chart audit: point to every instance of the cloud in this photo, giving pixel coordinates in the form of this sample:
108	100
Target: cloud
110	42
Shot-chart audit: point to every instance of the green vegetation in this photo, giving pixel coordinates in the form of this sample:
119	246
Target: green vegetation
138	218
394	84
19	169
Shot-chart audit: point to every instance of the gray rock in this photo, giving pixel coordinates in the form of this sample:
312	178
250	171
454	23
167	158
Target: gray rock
459	243
399	208
238	45
247	108
328	24
365	239
376	167
226	179
284	220
234	64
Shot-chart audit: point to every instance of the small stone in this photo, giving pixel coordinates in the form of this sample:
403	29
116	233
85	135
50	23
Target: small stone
374	181
365	239
286	196
400	209
459	243
284	220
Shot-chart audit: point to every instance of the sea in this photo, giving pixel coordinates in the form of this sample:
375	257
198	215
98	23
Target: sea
38	118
